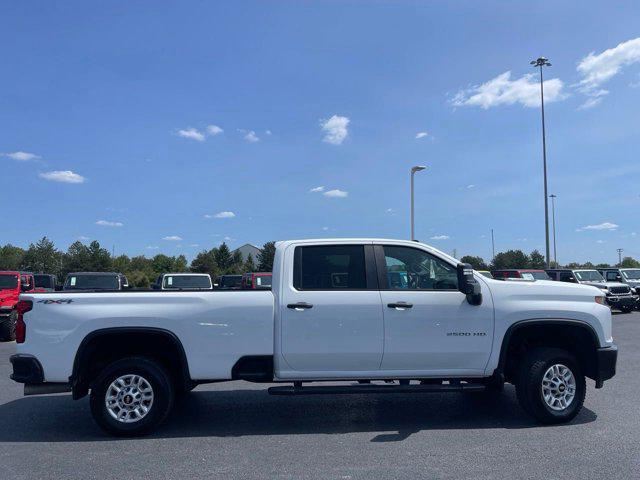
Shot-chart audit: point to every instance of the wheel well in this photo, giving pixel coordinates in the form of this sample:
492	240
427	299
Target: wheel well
579	340
102	347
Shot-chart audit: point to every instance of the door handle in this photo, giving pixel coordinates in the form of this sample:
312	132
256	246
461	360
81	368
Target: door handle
300	306
400	305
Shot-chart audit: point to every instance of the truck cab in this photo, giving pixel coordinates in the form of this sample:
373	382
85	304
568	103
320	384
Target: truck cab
45	282
12	284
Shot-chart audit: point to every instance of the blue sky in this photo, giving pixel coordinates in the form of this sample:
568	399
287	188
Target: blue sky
168	127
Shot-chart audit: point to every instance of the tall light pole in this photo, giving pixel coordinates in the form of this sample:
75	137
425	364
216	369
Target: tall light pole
544	62
553	197
415	169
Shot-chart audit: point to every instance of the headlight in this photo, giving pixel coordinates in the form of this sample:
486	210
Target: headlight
601	300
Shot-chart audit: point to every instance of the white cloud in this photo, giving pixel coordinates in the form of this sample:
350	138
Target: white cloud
590	103
153	247
107	223
192	134
317	189
21	156
267	132
251	137
421	134
63	176
83	238
470	186
390	211
336	193
501	90
172	238
600	226
221	215
193	245
440	237
600	241
214	130
597	69
324	229
335	129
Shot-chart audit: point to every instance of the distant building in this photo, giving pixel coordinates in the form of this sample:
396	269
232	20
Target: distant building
246	250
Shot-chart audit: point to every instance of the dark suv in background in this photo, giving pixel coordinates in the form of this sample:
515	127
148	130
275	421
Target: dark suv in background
629	276
95	281
619	295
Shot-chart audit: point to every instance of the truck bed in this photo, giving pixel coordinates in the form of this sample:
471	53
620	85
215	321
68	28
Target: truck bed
216	328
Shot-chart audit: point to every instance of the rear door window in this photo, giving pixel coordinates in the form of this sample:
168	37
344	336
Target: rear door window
330	267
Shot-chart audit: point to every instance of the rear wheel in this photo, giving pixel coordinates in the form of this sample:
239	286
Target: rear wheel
551	386
8	328
131	397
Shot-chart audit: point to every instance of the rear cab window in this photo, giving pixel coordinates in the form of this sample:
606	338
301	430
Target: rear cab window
329	267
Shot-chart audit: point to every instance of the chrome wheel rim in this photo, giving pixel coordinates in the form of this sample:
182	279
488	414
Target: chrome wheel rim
129	398
558	387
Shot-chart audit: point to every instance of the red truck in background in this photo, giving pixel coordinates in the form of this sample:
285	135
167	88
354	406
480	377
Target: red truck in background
256	281
12	284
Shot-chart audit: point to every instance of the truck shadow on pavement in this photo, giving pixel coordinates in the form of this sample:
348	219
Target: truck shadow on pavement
247	411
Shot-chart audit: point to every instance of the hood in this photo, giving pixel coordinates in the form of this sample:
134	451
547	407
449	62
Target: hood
544	289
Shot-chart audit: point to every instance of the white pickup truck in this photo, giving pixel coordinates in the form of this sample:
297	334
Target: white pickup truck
379	315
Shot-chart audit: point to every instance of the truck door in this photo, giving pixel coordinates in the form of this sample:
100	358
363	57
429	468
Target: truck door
430	328
330	311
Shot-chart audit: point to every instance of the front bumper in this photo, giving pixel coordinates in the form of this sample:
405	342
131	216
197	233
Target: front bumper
606	358
5	312
26	369
622	301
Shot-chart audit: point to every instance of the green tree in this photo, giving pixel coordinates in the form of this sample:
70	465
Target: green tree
99	258
537	260
476	262
223	258
510	259
629	262
180	264
43	257
11	257
76	259
205	262
162	264
122	264
265	257
249	265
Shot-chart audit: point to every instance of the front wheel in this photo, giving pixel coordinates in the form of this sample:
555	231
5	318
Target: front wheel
626	309
550	385
131	397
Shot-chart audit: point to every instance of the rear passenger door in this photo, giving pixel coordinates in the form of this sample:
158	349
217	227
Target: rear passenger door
330	311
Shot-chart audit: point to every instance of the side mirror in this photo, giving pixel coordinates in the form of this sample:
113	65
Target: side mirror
468	285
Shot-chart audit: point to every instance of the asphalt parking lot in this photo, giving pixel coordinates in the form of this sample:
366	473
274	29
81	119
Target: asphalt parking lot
236	430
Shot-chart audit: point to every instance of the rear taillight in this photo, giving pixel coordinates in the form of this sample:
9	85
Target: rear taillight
22	307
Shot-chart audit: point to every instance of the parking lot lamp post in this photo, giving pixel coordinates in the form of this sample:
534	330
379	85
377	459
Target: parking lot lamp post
415	169
544	62
553	197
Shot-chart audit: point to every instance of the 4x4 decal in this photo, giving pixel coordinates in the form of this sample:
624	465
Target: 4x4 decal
56	301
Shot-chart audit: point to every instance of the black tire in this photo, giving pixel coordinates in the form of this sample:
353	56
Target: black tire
8	328
163	396
529	385
626	309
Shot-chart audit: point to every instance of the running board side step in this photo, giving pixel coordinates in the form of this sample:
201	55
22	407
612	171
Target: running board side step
372	388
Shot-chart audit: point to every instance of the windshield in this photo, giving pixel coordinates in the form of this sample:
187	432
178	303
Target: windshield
92	282
8	282
589	276
43	281
633	274
186	281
